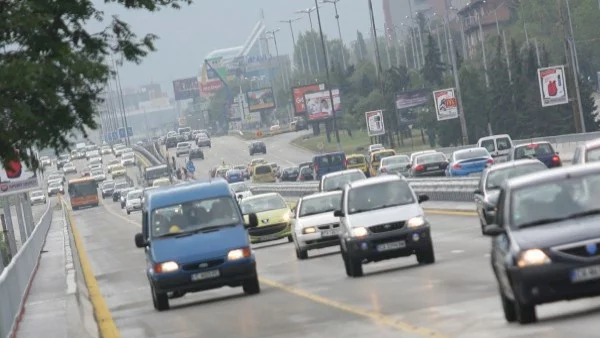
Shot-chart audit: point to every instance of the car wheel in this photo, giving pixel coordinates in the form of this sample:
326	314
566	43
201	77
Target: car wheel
128	212
509	307
251	286
160	300
301	254
525	313
426	255
290	239
346	264
353	266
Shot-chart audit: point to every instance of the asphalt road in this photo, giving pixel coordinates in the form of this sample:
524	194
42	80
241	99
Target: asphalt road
455	297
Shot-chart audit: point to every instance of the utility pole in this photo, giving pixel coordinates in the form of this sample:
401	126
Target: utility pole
485	68
309	12
337	17
120	89
289	22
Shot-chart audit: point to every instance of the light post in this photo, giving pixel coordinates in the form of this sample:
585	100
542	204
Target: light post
309	11
289	22
120	93
337	17
333	113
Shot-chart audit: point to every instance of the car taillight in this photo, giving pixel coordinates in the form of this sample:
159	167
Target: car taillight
456	166
420	167
383	170
555	159
490	161
316	167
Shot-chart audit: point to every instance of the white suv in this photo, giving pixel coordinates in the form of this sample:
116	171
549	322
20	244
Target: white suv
133	201
183	148
381	218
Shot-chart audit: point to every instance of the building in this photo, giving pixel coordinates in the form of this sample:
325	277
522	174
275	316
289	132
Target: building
492	14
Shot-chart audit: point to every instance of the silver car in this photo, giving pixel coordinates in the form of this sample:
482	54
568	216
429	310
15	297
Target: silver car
37	197
587	152
397	164
337	180
183	148
133	201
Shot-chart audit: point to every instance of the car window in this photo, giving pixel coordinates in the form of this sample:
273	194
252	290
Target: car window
336	160
592	155
339	181
378	196
495	178
471	153
399	159
134	195
377	157
430	158
488	145
503	143
261	204
323	161
356	160
533	150
320	205
263	169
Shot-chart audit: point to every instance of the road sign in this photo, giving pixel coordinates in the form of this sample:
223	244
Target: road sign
121	132
191	168
446	106
129	131
553	87
375	125
114	136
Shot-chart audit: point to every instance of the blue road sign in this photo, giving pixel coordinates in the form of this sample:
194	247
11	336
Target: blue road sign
191	168
115	136
121	132
129	131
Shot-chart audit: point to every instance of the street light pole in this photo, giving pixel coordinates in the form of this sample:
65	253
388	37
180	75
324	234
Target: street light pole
337	17
333	113
289	22
309	11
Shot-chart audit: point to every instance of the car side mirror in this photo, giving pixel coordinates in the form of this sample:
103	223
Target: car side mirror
423	198
338	213
252	221
140	241
493	230
477	192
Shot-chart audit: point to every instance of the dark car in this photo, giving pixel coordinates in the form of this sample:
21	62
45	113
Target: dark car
323	164
542	151
119	187
290	174
196	153
305	173
62	159
107	188
546	239
257	147
486	195
171	142
429	164
202	140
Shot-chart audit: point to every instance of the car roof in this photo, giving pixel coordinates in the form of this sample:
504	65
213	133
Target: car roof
512	164
555	174
160	198
375	180
257	197
469	150
342	172
492	137
321	194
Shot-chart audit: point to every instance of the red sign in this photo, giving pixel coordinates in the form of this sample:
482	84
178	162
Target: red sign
298	96
210	87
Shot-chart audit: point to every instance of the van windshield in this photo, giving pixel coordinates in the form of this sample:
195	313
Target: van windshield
263	169
194	216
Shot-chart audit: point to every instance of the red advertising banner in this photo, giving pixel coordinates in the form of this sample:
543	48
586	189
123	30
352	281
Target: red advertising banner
210	87
298	96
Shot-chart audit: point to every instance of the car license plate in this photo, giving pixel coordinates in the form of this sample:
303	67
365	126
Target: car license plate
329	233
391	246
585	274
268	238
435	167
205	275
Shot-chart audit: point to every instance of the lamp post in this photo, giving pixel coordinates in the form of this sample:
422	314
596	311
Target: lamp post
120	93
337	17
289	22
333	113
309	11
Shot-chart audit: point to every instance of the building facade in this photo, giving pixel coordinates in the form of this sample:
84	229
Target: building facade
491	14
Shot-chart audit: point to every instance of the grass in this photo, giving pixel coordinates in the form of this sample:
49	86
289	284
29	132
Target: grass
357	144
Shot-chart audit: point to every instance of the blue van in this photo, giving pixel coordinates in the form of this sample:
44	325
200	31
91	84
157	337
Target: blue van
323	164
195	239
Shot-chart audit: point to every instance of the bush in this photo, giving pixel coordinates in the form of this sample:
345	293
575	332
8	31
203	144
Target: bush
4	251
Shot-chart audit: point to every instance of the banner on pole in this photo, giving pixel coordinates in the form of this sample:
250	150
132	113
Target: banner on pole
553	87
375	125
446	106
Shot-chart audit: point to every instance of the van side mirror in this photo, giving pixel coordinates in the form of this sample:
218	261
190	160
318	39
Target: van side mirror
423	198
252	221
140	241
338	213
493	230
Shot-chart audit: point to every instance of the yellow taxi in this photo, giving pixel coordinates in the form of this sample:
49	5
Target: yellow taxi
263	173
376	157
358	161
274	217
161	182
118	171
253	164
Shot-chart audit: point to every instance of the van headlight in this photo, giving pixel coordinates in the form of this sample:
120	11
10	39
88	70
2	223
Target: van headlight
170	266
236	254
415	222
359	232
532	257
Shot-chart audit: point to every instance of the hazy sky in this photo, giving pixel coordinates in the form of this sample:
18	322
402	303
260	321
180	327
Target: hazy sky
188	34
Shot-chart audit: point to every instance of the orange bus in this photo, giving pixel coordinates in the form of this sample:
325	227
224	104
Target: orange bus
83	192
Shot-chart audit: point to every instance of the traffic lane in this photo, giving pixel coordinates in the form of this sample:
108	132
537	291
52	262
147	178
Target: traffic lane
119	268
456	296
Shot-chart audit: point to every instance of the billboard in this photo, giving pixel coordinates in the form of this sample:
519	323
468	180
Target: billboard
260	99
17	178
446	107
553	87
210	87
318	104
186	89
375	125
413	98
298	96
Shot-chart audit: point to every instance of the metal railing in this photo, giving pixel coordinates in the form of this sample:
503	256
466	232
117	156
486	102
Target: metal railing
16	277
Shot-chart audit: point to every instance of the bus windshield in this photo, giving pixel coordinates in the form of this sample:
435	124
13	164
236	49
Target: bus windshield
83	188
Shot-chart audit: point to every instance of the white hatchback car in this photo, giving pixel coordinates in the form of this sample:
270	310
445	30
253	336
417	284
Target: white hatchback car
133	201
381	218
315	226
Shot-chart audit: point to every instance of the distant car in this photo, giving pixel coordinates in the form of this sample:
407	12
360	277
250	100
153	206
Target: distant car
120	186
69	168
107	188
397	164
257	147
428	165
37	197
171	142
274	217
133	201
543	151
289	174
99	175
45	161
128	159
244	170
233	176
337	180
305	173
588	152
62	159
240	190
196	153
183	148
469	162
55	188
202	140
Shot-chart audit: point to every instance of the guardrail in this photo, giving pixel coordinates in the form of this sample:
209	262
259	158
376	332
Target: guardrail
438	189
16	277
150	157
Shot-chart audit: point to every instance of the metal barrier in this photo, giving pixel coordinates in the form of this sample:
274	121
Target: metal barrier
438	189
17	276
144	152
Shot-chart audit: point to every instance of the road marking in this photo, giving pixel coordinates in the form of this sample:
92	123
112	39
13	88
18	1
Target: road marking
449	212
104	319
110	211
377	317
457	251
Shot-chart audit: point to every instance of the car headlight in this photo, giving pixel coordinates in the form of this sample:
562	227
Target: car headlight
309	230
359	232
236	254
532	257
286	217
166	267
415	222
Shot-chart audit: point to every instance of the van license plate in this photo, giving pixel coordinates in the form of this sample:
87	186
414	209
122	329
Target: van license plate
585	274
329	233
205	275
391	246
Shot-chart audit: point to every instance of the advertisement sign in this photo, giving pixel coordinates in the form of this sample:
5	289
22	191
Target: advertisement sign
413	98
260	99
375	125
553	87
17	178
210	87
218	67
446	107
318	104
186	89
298	96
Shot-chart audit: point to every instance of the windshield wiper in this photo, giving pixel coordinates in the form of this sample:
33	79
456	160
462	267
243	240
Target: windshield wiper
584	213
543	221
315	213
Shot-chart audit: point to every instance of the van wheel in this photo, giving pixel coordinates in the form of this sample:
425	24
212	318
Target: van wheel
301	254
160	300
353	266
251	286
427	255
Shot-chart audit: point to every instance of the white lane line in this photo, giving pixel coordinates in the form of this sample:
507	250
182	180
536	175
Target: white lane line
457	251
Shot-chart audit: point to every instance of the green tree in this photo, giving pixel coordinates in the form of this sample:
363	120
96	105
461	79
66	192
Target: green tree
433	69
53	69
500	94
360	48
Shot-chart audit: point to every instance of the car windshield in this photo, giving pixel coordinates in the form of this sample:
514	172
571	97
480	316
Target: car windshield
496	177
592	155
471	153
263	169
134	195
118	167
305	170
257	160
54	177
114	162
121	185
239	187
195	216
55	184
400	159
97	172
293	170
378	156
234	173
69	165
127	155
63	157
336	182
564	198
379	196
320	204
263	203
37	193
430	158
108	185
356	160
533	150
